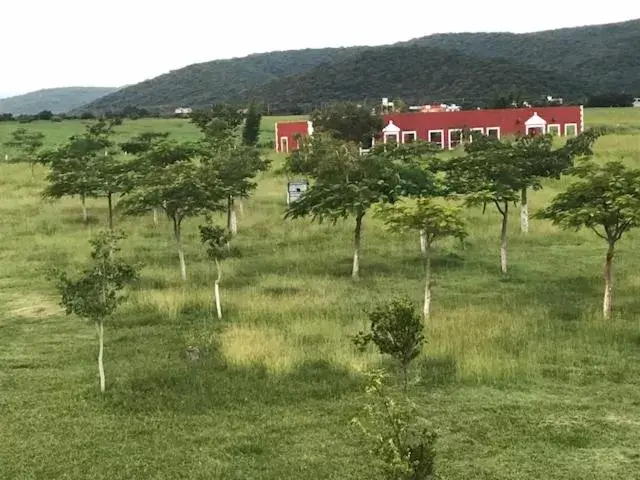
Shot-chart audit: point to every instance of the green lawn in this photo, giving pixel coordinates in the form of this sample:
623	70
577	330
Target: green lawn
520	375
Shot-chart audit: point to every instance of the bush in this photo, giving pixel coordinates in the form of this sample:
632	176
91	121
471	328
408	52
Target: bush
402	441
396	329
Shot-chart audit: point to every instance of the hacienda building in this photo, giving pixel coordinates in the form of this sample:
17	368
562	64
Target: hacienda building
445	128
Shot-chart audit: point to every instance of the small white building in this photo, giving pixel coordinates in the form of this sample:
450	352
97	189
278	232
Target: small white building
183	111
636	102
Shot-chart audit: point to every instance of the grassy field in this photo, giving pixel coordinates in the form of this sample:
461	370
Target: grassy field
520	375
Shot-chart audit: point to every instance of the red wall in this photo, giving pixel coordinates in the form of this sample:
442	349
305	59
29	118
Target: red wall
510	121
289	130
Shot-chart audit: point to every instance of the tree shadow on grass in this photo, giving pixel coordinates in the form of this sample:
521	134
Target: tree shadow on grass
566	298
209	383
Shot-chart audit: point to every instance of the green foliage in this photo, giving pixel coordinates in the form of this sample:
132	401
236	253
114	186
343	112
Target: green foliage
346	182
143	142
403	442
86	165
347	122
436	220
605	199
216	239
95	294
219	121
396	330
173	179
251	129
27	142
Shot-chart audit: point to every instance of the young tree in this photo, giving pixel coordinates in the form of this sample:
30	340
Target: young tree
28	143
95	295
347	184
238	167
251	128
396	330
86	165
178	183
347	122
435	222
489	175
403	442
605	199
537	159
140	145
72	172
216	240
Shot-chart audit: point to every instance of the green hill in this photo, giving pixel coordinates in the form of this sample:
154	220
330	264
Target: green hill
220	80
569	62
604	57
58	100
417	74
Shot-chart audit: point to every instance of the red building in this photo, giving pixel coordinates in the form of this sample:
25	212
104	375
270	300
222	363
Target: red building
286	133
445	128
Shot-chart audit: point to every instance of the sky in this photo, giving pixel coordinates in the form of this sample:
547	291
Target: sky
114	43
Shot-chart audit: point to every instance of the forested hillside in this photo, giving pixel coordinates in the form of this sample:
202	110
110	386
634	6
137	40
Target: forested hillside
604	57
57	100
417	74
571	63
218	81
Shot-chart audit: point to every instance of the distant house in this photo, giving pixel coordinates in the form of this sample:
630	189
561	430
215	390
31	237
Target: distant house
636	102
183	111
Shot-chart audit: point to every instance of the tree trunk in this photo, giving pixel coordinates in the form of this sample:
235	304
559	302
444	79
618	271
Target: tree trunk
232	216
178	237
607	304
216	289
503	238
427	287
241	207
524	211
155	216
423	242
355	271
33	172
110	204
85	214
100	331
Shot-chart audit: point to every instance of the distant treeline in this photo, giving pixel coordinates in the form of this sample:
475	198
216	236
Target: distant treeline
510	100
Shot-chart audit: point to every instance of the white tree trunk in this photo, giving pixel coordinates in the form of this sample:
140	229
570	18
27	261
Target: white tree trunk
100	332
524	211
241	207
85	213
178	237
427	287
503	239
155	217
607	304
355	270
423	242
233	223
216	289
232	216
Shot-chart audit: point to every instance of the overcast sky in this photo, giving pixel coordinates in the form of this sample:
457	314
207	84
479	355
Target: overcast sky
57	43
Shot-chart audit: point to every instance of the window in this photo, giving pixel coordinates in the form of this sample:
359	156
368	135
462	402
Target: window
570	129
437	137
554	129
455	137
284	144
391	138
493	132
408	137
478	129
